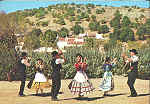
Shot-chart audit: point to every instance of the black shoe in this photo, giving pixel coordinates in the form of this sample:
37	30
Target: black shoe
106	95
80	96
36	94
133	95
22	95
54	99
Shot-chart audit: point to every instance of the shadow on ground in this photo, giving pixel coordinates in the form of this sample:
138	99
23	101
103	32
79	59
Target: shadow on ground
113	95
44	94
93	98
84	98
143	95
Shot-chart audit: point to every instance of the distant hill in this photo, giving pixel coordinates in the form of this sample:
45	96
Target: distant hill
53	15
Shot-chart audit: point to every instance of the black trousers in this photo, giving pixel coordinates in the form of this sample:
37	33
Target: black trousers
131	80
31	80
22	79
56	84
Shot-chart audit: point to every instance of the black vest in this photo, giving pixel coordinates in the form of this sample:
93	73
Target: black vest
55	67
21	68
135	66
39	70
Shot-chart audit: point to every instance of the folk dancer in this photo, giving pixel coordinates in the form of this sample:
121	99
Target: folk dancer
21	72
57	60
80	84
107	84
40	81
133	73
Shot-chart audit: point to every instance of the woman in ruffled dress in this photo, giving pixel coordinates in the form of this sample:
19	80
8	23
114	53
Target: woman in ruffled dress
40	80
80	84
107	84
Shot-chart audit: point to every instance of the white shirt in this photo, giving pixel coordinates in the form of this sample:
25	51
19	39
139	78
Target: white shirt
134	58
59	61
23	61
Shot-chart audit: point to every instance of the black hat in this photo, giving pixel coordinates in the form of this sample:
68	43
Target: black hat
54	53
23	54
107	59
134	51
78	54
39	59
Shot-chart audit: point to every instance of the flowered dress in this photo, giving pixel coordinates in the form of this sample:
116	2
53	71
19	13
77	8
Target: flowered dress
40	81
107	81
80	84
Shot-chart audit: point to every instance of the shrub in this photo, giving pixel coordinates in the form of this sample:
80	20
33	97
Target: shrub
64	32
93	26
141	32
126	34
61	21
103	29
77	29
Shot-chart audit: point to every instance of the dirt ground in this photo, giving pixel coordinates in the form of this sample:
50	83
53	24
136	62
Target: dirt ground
9	91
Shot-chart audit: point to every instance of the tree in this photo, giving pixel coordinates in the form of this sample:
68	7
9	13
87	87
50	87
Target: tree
49	38
100	11
134	25
40	13
117	14
84	15
77	29
141	32
115	35
89	11
54	14
103	29
147	25
93	18
10	24
115	22
49	8
126	21
63	32
72	19
78	18
93	26
36	32
70	11
31	41
78	10
89	5
144	30
126	34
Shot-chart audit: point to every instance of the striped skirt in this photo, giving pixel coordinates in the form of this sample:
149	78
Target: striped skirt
80	84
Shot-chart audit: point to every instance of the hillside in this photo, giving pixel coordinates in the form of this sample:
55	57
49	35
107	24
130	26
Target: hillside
70	14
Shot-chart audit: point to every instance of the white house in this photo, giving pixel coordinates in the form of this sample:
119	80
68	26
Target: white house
99	36
66	42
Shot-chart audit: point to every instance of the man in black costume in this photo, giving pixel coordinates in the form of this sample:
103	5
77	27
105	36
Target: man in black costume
132	75
21	71
57	60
